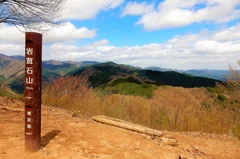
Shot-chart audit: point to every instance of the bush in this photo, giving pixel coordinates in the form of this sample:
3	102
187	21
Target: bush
221	97
233	81
236	131
7	92
66	92
213	89
127	88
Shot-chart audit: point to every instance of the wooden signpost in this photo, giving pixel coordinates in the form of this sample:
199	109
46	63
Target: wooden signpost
32	92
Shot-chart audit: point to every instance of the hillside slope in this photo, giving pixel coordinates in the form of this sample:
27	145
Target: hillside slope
9	67
66	137
12	70
102	74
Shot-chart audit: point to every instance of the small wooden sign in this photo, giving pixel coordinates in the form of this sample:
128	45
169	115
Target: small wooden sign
32	92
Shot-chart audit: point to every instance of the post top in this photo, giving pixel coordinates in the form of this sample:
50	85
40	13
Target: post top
33	33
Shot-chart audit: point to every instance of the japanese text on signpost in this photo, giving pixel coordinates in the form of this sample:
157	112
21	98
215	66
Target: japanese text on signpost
33	70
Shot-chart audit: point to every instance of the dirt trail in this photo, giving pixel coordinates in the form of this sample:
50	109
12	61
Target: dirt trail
65	137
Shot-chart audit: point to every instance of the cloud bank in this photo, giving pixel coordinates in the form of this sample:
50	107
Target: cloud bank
179	13
85	9
64	33
207	49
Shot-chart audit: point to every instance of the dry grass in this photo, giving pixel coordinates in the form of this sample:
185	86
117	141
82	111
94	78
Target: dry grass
8	93
234	81
171	108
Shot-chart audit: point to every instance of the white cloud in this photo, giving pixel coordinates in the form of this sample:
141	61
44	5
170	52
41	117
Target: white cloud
66	32
134	8
184	39
178	13
214	47
100	43
85	9
63	47
232	33
63	51
175	18
115	3
11	34
191	51
11	49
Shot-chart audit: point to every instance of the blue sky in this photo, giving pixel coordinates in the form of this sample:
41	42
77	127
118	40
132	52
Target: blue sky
180	34
122	31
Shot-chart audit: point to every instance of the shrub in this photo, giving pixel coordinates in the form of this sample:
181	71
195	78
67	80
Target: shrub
127	88
213	89
5	91
66	91
236	131
233	81
221	97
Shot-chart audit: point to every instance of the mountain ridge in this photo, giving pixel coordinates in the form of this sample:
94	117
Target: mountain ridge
99	73
70	65
102	74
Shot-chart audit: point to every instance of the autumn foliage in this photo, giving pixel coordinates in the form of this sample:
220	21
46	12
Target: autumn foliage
170	108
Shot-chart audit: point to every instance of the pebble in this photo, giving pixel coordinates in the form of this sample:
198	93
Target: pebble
167	141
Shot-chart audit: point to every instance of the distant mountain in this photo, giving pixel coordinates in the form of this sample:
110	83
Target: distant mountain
173	78
104	73
12	70
59	67
18	57
12	73
87	63
9	67
215	74
2	79
162	69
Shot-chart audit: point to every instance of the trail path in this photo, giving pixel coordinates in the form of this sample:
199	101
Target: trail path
66	137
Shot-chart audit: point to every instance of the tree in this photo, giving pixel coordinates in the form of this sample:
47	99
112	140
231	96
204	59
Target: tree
30	14
234	81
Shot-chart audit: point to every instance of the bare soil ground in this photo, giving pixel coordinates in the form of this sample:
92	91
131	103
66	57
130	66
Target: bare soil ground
67	137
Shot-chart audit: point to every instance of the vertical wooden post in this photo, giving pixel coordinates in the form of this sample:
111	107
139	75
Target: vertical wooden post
32	92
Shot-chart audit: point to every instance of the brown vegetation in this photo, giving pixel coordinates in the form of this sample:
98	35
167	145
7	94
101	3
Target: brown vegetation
234	81
171	108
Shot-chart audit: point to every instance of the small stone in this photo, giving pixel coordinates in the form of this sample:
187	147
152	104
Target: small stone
52	153
182	156
79	115
153	137
44	151
169	136
170	156
171	142
146	136
62	140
